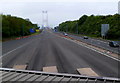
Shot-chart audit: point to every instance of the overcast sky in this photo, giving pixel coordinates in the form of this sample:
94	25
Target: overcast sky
58	10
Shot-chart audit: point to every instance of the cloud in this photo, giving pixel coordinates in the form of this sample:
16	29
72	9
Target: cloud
57	11
59	0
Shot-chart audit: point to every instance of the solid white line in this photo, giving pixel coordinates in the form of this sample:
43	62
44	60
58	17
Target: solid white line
103	54
92	49
100	52
14	50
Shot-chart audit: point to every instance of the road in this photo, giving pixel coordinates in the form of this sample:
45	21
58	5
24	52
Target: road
49	49
97	42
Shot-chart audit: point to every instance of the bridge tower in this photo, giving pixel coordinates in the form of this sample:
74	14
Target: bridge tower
44	19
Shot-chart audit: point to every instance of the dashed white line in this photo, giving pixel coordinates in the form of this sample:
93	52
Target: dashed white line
92	49
99	40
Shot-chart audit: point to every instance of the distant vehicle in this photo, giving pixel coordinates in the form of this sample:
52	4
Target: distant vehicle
65	34
85	37
113	44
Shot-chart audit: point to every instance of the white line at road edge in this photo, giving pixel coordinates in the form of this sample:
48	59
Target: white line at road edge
91	48
14	49
97	51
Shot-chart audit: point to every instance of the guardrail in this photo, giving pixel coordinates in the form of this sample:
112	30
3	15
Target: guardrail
14	75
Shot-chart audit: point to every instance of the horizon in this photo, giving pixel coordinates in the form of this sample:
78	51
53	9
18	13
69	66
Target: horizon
58	12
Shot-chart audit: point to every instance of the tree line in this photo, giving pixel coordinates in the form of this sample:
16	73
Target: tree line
13	26
91	25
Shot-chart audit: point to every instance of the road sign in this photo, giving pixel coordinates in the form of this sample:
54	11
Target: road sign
32	30
37	30
104	29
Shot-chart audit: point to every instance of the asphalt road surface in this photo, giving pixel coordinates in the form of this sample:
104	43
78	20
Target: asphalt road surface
49	49
97	42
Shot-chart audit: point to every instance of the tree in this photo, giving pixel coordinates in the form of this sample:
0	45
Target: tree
13	26
91	25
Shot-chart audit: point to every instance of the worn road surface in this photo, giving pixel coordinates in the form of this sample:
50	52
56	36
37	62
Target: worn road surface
49	49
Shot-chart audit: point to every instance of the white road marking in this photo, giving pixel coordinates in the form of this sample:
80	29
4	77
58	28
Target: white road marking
14	49
102	41
91	48
100	52
99	40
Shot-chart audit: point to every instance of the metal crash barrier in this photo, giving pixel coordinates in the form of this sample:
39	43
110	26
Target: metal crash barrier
14	75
